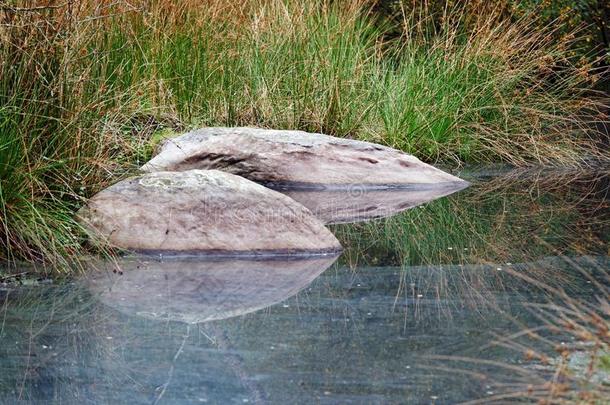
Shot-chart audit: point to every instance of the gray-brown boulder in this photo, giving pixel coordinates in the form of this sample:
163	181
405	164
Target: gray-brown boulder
203	211
295	159
194	291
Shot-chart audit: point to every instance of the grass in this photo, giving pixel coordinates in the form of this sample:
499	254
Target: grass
579	367
562	360
85	86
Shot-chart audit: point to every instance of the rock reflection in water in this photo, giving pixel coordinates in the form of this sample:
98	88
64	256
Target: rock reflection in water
198	290
361	203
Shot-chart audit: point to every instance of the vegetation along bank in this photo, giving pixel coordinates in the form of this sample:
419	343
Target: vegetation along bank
88	87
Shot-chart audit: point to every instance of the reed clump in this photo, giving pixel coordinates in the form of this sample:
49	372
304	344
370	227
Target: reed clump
567	357
85	85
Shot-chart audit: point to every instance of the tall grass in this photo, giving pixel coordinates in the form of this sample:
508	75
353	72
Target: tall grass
573	342
54	146
565	358
84	85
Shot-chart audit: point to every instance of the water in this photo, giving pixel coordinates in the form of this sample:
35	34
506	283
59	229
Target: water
410	313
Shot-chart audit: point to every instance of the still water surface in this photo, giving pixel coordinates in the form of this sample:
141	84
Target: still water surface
412	312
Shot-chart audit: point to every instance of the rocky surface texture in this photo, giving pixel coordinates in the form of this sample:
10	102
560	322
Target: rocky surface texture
194	291
203	211
295	159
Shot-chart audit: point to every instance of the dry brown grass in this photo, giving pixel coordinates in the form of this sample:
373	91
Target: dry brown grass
571	363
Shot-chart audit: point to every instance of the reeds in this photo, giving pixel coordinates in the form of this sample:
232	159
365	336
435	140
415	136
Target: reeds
565	359
84	87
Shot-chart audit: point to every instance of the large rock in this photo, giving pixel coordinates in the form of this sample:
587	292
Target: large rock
194	291
201	211
295	159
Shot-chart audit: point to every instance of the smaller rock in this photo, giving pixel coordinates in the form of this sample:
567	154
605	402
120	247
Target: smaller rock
203	211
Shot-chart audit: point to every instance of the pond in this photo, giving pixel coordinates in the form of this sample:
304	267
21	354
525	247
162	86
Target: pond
455	300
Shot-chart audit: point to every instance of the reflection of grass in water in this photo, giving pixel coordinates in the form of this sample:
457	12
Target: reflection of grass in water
59	344
564	359
577	330
493	222
43	330
519	217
